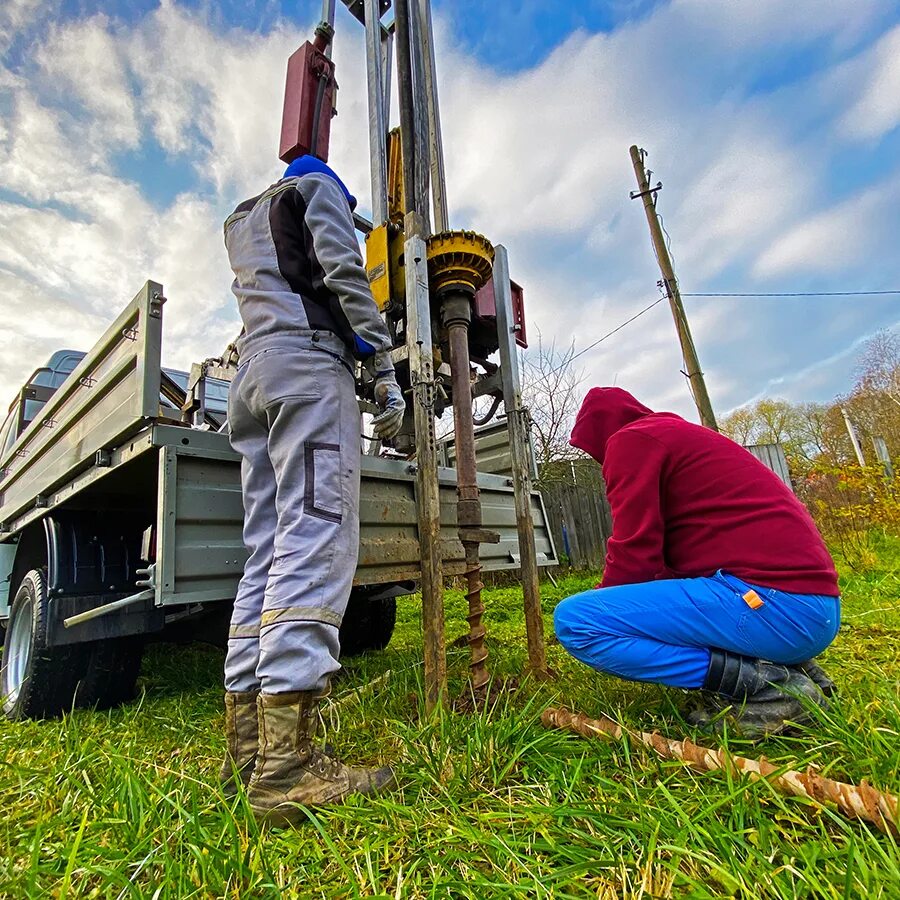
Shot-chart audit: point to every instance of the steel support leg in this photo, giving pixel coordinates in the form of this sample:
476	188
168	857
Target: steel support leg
421	372
517	422
457	313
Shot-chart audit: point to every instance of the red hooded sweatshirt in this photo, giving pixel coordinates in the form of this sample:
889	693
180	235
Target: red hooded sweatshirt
687	502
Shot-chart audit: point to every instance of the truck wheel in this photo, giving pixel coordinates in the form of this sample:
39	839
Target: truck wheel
36	681
113	666
368	624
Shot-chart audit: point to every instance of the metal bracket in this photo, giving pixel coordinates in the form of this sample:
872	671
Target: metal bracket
358	11
479	535
147	577
650	190
156	305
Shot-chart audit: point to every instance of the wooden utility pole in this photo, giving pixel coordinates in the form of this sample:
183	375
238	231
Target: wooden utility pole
689	352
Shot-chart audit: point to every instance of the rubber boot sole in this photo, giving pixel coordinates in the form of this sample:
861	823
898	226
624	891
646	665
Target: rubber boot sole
292	813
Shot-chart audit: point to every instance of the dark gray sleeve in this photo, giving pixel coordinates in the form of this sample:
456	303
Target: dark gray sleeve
330	223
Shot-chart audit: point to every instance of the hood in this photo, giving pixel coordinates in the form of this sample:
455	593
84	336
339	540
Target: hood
605	410
306	165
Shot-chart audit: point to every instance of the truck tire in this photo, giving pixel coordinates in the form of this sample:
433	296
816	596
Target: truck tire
111	672
36	681
368	624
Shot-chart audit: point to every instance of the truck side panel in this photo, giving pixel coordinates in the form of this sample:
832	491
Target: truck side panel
109	396
200	515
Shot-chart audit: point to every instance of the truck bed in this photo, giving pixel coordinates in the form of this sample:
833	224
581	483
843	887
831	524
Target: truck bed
103	440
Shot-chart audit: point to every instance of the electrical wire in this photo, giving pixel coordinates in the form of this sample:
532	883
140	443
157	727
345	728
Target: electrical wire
608	334
796	294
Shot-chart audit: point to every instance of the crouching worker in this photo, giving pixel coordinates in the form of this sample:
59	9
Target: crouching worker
715	578
308	313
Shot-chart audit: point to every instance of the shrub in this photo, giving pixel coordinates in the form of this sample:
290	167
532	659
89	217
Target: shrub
853	507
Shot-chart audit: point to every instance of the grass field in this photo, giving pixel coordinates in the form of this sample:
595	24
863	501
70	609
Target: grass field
125	803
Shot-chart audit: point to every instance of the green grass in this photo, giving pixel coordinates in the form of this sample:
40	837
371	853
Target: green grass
125	804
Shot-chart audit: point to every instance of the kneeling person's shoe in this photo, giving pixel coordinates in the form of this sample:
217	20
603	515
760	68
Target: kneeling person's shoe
758	699
749	720
813	670
292	772
242	737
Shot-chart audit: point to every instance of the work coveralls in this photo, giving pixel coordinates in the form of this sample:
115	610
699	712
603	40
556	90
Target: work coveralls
308	313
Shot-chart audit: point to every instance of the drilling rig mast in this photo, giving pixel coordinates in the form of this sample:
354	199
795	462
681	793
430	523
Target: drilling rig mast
446	296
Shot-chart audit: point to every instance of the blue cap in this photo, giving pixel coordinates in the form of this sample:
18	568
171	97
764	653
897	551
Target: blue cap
306	165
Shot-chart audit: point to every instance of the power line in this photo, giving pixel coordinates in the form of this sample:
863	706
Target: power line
637	315
796	294
608	334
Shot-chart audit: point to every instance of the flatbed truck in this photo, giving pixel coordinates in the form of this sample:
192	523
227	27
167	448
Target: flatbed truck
121	521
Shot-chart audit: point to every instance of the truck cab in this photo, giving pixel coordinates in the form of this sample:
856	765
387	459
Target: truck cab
35	393
43	382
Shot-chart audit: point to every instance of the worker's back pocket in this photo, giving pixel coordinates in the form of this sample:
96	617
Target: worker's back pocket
323	494
280	374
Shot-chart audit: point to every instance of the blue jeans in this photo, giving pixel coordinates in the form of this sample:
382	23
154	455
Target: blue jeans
662	631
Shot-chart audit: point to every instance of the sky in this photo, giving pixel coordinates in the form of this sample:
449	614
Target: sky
129	130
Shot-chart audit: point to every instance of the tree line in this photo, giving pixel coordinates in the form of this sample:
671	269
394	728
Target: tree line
817	433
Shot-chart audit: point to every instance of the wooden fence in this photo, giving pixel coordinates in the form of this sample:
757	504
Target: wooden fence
580	520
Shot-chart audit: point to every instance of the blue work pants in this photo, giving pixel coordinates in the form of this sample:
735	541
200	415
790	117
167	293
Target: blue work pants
662	631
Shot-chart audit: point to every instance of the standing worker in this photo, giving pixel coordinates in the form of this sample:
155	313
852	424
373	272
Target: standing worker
715	578
308	314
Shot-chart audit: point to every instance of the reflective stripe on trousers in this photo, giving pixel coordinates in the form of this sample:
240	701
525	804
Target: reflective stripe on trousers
295	421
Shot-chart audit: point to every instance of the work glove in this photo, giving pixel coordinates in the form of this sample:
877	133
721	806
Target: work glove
390	398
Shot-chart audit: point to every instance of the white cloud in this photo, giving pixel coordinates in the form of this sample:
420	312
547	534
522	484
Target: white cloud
837	238
14	16
537	160
876	109
86	60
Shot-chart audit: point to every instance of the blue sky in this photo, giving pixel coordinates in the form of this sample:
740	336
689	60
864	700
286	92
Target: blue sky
128	131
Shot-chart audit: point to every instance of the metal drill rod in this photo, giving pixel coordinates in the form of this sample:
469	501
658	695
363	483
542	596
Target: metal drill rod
377	131
421	368
457	315
422	168
406	97
438	179
387	54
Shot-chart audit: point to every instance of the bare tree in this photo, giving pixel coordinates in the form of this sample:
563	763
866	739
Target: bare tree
878	366
874	402
550	390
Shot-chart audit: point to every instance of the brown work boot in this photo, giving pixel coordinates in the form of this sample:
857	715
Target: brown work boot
291	771
242	736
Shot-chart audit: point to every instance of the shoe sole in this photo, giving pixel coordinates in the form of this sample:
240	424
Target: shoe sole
293	813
